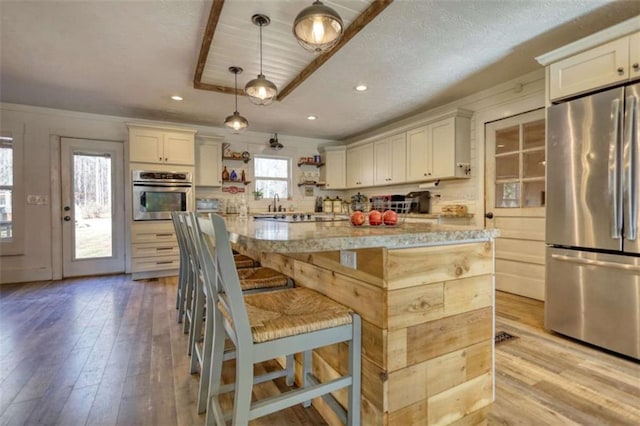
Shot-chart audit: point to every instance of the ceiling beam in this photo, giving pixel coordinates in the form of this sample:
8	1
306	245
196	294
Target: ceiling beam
356	26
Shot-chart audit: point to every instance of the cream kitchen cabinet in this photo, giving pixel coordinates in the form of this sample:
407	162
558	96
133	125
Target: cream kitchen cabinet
439	150
360	166
333	173
154	250
608	64
161	145
208	161
390	160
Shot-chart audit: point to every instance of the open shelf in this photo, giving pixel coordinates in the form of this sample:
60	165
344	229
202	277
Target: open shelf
246	182
312	184
304	163
244	160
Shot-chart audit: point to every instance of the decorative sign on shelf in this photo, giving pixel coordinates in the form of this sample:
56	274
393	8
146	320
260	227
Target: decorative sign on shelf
232	189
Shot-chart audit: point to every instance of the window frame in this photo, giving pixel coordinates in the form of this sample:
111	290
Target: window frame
288	179
15	245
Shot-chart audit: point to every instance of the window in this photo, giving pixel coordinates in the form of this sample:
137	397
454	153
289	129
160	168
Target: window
11	193
272	175
6	187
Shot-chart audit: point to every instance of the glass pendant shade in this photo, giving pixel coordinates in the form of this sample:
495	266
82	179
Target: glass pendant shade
260	90
235	122
318	27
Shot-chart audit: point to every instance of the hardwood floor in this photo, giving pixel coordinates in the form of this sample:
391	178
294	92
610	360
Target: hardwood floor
108	351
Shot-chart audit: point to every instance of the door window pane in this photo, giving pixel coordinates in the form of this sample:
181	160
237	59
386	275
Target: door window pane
92	206
533	134
507	167
533	164
508	194
508	140
534	194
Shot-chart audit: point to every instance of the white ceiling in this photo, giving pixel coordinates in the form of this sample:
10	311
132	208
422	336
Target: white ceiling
127	58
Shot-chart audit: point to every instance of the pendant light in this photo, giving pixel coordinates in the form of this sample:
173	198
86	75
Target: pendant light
260	90
318	27
235	121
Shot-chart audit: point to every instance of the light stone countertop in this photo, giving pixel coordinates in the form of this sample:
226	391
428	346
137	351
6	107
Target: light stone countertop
271	236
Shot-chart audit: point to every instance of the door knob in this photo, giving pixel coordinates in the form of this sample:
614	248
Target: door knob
67	218
488	215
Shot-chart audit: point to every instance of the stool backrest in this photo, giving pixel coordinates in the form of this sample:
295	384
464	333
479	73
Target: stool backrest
229	291
182	243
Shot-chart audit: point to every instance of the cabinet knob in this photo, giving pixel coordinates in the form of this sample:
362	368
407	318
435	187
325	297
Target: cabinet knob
160	159
620	70
424	174
166	159
636	66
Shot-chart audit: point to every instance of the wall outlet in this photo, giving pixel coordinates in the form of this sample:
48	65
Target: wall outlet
348	259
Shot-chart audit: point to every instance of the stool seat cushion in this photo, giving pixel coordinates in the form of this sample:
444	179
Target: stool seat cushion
260	277
285	313
243	261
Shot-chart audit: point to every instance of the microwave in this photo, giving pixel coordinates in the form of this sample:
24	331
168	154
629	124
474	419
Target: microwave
157	194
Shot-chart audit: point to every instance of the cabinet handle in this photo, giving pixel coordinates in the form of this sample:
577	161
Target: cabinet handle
166	159
164	262
160	159
164	235
164	248
620	70
636	66
425	174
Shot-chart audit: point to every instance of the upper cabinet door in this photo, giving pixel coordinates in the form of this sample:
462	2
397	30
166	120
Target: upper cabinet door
598	67
209	163
390	160
179	148
333	173
634	55
418	154
145	146
443	145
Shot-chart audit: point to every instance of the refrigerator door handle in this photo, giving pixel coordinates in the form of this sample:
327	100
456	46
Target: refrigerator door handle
614	172
631	168
591	262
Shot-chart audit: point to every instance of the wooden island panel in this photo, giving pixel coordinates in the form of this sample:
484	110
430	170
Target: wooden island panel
427	329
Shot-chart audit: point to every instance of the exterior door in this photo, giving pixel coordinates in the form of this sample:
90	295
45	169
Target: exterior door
92	215
515	201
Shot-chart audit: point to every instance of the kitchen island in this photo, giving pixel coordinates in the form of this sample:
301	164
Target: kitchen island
425	295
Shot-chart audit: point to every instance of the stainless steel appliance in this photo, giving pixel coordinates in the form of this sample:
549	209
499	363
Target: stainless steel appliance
209	205
593	252
421	201
156	194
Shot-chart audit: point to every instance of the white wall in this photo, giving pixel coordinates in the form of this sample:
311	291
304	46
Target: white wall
41	125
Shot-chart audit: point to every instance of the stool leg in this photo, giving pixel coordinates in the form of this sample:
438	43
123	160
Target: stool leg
196	327
291	375
307	368
203	391
215	372
244	386
355	348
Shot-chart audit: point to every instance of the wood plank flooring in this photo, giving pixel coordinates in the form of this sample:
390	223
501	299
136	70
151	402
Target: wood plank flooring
108	351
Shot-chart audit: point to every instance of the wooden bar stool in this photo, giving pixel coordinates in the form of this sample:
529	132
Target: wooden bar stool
269	325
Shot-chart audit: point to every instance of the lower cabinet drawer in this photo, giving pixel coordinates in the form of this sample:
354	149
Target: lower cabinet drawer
170	248
156	263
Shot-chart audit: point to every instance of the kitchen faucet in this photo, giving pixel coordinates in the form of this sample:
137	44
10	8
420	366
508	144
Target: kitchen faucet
275	203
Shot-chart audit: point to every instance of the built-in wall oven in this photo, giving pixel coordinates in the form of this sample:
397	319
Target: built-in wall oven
156	194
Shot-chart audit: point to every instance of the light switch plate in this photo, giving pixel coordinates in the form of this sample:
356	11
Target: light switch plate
348	259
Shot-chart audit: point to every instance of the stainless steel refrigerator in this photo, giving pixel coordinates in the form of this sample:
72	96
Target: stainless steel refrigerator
593	249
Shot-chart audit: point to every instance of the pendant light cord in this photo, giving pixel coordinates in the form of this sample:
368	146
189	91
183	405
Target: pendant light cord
260	48
235	89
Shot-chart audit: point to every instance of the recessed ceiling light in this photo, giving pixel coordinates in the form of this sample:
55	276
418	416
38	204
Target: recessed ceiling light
176	98
312	117
360	88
